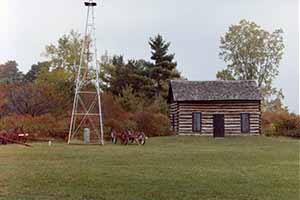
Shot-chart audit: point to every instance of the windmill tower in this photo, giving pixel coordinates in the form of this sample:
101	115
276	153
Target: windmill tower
87	112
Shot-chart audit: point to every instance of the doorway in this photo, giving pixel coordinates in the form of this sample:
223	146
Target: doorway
218	123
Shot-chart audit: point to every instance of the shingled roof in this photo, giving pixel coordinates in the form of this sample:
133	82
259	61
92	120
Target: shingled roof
182	90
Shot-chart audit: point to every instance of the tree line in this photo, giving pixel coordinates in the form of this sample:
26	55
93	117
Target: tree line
138	85
133	90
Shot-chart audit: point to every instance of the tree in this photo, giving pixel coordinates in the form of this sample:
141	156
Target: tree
225	74
273	100
164	68
35	99
117	75
66	53
10	73
2	100
252	53
33	73
60	79
129	101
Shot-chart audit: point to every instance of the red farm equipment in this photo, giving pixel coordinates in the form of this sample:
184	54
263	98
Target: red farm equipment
14	136
128	137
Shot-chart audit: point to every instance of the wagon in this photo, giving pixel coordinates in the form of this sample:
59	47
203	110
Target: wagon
128	137
16	136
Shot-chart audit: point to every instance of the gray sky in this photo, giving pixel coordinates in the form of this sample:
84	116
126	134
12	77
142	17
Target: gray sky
123	27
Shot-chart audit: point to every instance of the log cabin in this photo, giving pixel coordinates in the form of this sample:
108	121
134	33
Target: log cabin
215	108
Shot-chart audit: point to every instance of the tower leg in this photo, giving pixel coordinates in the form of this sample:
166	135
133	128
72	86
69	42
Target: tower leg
100	115
83	80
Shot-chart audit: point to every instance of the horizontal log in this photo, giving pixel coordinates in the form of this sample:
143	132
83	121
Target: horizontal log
211	130
206	122
245	109
207	111
219	112
217	103
225	113
226	120
210	114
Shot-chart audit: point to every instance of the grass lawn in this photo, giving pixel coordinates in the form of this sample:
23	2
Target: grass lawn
246	168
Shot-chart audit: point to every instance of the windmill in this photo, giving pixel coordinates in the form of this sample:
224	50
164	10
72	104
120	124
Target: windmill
87	110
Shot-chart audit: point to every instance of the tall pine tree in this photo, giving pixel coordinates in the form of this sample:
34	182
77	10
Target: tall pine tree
164	67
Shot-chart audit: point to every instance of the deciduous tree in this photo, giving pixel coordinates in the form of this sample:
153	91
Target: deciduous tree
9	72
35	99
252	53
66	52
33	73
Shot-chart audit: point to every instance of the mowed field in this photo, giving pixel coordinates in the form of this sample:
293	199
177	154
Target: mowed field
183	168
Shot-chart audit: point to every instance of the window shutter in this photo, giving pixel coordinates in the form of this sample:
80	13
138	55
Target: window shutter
245	122
197	122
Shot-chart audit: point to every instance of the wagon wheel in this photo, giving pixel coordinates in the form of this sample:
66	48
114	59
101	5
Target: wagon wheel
124	138
131	140
142	138
113	138
2	141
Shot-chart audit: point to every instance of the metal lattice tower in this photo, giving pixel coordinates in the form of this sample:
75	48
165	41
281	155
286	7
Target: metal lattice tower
87	103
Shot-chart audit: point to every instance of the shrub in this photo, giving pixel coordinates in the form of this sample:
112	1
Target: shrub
152	124
281	124
38	127
150	121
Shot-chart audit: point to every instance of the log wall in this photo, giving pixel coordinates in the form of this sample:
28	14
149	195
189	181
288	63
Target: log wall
174	111
231	110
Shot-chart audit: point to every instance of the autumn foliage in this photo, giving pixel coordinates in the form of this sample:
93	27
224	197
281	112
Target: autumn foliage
34	99
43	112
281	124
116	117
44	126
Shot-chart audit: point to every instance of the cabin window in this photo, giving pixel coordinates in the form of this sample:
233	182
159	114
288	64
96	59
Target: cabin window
245	122
197	122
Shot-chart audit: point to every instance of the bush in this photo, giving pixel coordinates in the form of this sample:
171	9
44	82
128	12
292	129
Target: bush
281	124
38	127
150	120
152	124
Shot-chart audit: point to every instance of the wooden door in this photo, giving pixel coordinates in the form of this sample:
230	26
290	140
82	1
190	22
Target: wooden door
218	122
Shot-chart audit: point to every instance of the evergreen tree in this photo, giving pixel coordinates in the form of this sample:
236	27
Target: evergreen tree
32	74
164	67
116	75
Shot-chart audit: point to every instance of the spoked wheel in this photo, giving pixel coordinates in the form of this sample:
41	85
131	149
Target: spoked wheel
124	139
2	141
131	140
142	139
113	138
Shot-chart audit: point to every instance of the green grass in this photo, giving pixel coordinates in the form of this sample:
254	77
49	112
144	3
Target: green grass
183	168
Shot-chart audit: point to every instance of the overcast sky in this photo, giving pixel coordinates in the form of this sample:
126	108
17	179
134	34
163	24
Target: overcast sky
194	28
